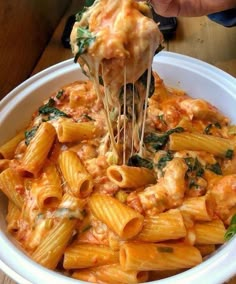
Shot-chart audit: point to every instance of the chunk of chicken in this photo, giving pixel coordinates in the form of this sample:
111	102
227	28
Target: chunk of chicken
224	192
125	40
200	109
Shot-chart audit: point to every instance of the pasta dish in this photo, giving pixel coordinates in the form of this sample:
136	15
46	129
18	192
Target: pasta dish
119	178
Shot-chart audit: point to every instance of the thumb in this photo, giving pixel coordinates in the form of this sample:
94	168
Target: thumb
168	8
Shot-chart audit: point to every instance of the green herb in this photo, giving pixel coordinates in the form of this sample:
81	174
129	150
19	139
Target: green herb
51	102
89	3
210	126
84	40
163	160
49	109
192	183
194	166
137	161
165	249
79	15
215	168
161	118
157	141
100	80
29	134
190	163
231	231
86	228
88	117
229	154
59	94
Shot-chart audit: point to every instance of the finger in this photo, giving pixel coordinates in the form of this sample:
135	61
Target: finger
168	8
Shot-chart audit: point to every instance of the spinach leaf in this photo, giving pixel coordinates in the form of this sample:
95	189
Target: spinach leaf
60	94
194	166
163	160
29	134
175	130
229	154
192	183
79	15
89	2
137	161
231	231
49	109
157	141
84	40
52	111
215	168
161	118
207	130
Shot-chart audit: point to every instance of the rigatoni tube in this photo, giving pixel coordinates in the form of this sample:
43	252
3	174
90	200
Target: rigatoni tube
120	218
130	177
12	185
38	149
75	174
7	150
70	131
210	232
199	208
51	249
150	256
88	255
112	273
200	142
164	226
47	189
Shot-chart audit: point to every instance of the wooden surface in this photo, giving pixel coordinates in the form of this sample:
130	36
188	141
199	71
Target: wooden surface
196	37
26	28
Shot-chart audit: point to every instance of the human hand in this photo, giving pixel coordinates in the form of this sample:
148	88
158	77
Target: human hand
191	8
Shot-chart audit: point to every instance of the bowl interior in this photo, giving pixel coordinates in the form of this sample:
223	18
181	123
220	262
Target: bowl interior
198	79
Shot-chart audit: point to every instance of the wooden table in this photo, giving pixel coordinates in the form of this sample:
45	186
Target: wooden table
196	37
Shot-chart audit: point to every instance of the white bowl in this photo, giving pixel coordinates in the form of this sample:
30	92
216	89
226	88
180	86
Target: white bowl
197	78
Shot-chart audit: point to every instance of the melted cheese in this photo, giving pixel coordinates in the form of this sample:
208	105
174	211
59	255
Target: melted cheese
125	40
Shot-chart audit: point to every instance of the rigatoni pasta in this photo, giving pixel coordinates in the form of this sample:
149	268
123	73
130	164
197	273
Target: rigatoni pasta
200	142
12	185
38	149
209	233
158	256
112	274
47	189
123	220
75	174
88	255
7	150
164	226
125	176
52	248
70	131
